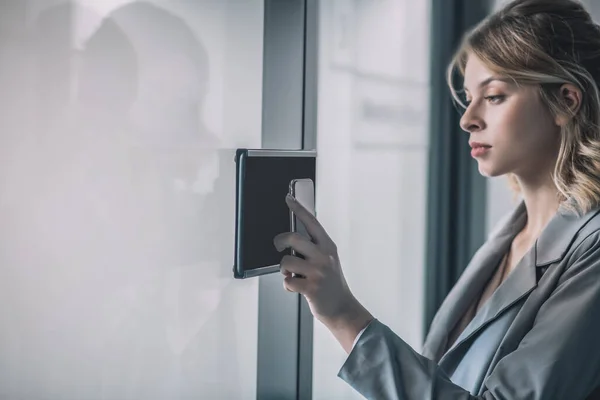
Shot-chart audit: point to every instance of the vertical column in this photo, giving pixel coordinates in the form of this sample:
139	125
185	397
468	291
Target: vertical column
280	313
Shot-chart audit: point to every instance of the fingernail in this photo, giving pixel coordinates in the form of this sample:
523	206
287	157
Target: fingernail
277	244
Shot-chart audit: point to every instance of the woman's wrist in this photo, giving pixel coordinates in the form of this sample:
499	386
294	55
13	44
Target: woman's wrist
348	323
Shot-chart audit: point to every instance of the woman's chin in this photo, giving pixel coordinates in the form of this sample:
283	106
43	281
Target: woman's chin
489	171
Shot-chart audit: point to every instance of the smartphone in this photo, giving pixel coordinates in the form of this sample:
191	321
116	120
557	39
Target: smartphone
303	190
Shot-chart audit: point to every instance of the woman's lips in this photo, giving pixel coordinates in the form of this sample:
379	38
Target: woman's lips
479	149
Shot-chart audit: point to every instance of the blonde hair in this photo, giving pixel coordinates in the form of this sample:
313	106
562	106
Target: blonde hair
548	43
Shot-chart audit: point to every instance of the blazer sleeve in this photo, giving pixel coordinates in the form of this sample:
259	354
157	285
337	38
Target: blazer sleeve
559	358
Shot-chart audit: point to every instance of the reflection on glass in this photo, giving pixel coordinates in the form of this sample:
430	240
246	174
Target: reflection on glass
117	242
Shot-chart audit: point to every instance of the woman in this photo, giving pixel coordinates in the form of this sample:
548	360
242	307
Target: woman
523	320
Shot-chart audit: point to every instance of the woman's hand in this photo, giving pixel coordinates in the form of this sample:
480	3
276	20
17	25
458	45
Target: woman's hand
321	279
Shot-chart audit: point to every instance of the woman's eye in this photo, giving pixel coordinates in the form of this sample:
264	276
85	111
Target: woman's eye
494	99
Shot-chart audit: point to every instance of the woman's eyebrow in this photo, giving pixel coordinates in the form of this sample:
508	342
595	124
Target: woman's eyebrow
489	80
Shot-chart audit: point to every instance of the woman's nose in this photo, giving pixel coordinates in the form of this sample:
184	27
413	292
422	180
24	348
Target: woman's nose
470	121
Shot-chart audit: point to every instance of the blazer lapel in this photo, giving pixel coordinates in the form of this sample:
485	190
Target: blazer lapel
520	282
471	282
550	247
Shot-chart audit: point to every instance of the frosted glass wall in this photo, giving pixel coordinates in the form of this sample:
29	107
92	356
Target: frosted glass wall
118	123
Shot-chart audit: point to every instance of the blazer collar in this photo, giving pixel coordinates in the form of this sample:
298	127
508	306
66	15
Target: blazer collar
556	238
551	247
470	283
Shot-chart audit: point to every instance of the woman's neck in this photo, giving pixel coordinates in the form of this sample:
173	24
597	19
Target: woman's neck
542	201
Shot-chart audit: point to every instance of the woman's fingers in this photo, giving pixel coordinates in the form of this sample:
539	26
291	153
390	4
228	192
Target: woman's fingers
291	266
296	284
300	244
313	226
297	272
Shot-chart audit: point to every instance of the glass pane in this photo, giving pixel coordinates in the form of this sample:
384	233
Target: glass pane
373	147
117	183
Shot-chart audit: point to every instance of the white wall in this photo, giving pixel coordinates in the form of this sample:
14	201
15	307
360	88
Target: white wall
372	165
118	125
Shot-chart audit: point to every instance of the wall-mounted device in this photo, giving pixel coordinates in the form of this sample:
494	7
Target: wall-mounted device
263	179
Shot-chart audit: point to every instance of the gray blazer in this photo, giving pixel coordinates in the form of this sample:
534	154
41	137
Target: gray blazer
536	338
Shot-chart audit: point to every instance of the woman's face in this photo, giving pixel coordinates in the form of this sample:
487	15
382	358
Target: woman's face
511	130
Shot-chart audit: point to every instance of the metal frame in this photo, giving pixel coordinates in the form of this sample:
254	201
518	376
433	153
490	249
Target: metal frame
309	141
281	153
311	82
285	324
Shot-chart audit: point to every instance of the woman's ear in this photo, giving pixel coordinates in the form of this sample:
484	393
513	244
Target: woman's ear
571	95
